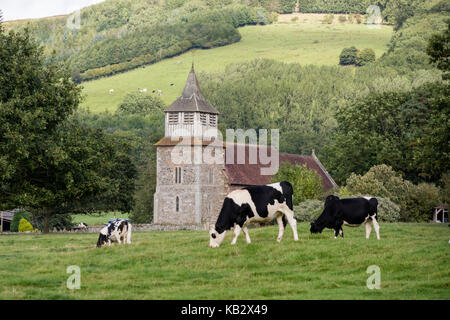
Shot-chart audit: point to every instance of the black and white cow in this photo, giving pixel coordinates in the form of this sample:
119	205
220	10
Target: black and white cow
255	204
118	231
351	212
82	225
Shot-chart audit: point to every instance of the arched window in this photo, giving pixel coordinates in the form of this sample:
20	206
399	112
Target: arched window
177	204
178	175
210	176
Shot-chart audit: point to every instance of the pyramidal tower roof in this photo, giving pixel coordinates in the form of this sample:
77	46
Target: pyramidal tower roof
191	100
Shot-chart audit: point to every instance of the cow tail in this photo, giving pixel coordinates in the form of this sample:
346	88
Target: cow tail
129	233
373	207
284	220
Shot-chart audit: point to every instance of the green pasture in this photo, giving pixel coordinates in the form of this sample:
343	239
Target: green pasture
97	218
311	43
413	259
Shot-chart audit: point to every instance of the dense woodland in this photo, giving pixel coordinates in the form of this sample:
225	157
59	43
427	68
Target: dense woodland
379	129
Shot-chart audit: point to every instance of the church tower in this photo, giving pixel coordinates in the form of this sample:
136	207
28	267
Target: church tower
189	189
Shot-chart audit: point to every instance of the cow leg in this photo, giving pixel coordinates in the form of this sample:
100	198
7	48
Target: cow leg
237	231
368	229
280	228
376	227
292	222
336	232
341	232
247	236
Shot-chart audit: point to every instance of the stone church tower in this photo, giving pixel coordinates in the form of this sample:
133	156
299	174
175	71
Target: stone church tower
190	188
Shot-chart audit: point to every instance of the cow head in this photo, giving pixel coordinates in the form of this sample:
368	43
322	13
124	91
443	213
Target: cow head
102	239
326	216
215	238
315	228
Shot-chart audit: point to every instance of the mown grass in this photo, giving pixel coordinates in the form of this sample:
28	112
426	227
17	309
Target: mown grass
303	43
413	259
97	218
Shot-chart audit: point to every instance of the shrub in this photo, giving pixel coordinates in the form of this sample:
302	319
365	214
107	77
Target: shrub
421	202
16	219
388	211
294	19
348	56
365	56
342	19
415	201
306	183
328	19
308	210
58	221
141	104
24	225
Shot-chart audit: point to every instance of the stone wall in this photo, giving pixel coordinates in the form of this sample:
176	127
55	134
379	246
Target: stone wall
201	191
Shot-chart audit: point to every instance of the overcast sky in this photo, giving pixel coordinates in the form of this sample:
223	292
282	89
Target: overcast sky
25	9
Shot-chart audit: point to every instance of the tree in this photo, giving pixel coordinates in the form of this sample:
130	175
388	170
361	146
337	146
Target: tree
364	57
438	49
405	130
348	56
306	183
49	163
141	104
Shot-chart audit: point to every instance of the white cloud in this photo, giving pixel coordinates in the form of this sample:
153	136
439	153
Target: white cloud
26	9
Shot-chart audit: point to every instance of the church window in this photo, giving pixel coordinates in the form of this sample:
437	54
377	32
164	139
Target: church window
188	118
211	176
173	118
177	175
177	204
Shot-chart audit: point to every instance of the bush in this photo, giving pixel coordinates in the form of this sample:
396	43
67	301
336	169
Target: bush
141	104
308	211
294	19
58	221
365	56
16	219
328	19
307	184
342	19
415	201
421	202
24	225
348	56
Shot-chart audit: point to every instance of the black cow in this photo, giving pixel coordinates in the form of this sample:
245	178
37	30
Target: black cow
352	212
255	204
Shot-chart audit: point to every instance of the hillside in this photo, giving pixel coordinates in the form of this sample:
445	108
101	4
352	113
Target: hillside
306	43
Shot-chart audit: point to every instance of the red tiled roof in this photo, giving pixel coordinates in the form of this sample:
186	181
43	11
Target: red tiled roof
247	174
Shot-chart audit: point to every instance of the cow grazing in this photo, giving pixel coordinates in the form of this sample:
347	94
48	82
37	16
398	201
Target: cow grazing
255	204
118	231
82	225
111	91
351	212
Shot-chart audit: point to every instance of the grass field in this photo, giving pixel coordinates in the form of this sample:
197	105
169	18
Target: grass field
97	219
413	258
305	43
